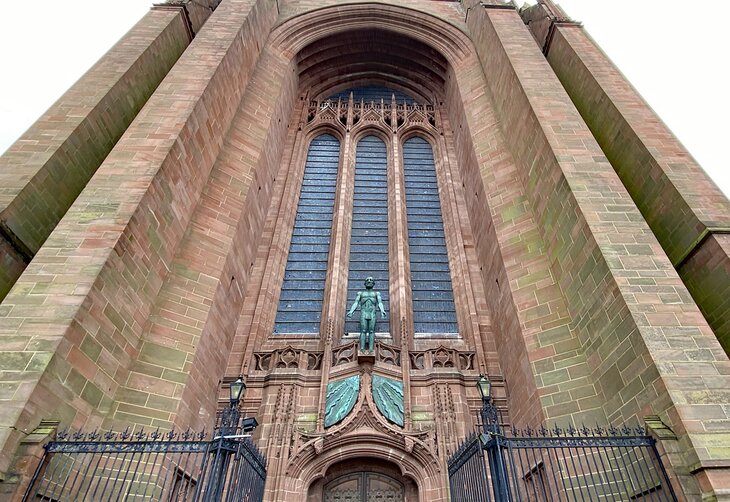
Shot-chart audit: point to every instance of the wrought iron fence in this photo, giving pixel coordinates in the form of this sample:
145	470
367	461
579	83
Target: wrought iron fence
536	465
150	466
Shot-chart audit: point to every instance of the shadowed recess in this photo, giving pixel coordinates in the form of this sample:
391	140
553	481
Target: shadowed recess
367	58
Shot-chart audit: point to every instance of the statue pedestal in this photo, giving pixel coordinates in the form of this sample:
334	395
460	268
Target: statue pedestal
365	357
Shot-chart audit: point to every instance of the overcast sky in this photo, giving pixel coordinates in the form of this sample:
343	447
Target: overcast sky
674	53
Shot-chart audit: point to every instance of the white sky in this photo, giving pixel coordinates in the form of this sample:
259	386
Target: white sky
676	54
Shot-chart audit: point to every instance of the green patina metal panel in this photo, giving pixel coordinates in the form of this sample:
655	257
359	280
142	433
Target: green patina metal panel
341	398
388	396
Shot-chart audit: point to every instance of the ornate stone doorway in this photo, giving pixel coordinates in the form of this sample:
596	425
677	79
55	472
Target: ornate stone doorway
364	487
363	480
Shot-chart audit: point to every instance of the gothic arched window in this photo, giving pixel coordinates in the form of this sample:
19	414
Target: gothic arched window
302	292
432	294
369	234
382	214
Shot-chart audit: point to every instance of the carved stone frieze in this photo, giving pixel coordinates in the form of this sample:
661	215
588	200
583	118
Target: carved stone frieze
384	353
439	357
442	357
372	112
287	358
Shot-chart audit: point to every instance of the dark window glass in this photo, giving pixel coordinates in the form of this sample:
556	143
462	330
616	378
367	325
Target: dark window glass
369	237
433	298
372	93
302	293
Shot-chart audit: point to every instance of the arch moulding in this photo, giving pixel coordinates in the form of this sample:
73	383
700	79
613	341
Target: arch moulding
296	33
365	434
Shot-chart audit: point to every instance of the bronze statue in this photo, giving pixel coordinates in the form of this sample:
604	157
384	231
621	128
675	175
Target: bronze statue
367	300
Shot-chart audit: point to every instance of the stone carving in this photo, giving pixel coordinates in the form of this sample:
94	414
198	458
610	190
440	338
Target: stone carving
388	397
372	112
418	360
366	426
344	354
366	301
387	354
384	353
287	357
341	398
442	357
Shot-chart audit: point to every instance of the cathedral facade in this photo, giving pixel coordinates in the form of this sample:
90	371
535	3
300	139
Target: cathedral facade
360	208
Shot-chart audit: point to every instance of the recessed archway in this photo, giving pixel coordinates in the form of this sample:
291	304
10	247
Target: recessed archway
363	479
371	56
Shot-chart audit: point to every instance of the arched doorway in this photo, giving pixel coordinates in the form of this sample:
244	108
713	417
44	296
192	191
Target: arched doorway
363	480
364	487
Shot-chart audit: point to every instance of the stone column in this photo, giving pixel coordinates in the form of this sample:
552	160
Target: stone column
74	323
650	349
46	169
687	212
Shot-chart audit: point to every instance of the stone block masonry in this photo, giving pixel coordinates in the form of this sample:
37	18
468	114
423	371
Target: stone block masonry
686	211
46	169
77	313
626	299
156	283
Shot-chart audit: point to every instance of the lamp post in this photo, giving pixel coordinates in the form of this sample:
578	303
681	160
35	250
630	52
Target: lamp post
228	440
490	416
492	429
232	415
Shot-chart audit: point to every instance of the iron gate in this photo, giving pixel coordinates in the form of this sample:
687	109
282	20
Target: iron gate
540	465
149	467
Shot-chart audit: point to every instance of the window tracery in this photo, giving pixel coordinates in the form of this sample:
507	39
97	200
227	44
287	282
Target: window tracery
389	190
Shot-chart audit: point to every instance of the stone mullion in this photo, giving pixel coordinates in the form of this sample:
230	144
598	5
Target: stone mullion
608	263
401	322
400	284
280	226
333	308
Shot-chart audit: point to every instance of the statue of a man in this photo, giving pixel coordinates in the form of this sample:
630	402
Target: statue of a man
367	300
